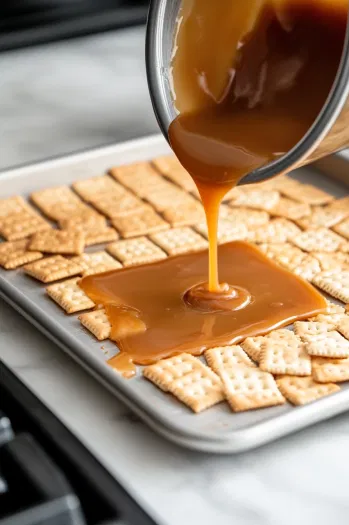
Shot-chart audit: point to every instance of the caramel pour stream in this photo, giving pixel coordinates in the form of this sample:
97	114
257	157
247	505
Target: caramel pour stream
211	201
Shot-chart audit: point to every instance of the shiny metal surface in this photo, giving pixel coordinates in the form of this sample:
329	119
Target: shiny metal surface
215	430
161	28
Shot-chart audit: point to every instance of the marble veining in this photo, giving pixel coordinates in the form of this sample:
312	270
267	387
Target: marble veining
88	92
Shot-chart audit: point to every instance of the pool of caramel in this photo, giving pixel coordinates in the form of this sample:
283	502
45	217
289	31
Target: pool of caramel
151	319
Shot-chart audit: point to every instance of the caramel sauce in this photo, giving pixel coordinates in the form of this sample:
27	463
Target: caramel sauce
249	79
157	295
226	298
123	363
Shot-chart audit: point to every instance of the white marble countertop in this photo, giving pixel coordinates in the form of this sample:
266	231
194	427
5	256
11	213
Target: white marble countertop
75	95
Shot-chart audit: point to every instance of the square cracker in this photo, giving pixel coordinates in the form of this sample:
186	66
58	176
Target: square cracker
321	217
227	230
179	240
58	203
66	210
325	370
170	166
13	205
274	182
312	240
94	228
15	253
280	182
135	251
96	262
165	371
50	196
187	214
330	344
247	388
227	357
282	334
333	315
285	254
298	262
285	356
307	194
307	268
97	323
310	328
332	261
343	326
333	309
332	321
69	296
343	228
52	269
273	250
142	180
138	170
20	225
90	218
340	204
56	241
199	390
257	199
163	199
141	222
252	346
154	185
117	205
277	231
99	235
334	283
188	379
290	209
101	185
303	390
248	217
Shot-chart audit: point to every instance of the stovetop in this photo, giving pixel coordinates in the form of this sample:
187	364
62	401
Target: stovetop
47	476
30	22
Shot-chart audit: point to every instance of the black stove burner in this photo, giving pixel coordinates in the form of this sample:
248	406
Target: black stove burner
46	475
30	22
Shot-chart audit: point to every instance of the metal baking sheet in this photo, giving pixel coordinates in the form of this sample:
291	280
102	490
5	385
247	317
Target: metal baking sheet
215	430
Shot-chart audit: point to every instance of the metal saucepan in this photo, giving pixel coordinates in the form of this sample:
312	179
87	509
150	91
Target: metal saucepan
328	134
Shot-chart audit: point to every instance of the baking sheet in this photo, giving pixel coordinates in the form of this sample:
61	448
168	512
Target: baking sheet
215	430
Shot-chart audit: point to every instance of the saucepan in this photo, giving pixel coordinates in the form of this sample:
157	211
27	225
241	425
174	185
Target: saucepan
328	134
